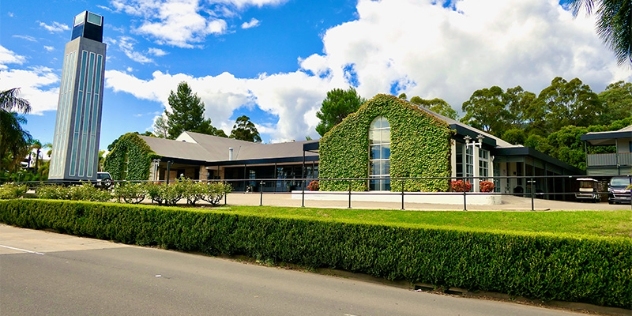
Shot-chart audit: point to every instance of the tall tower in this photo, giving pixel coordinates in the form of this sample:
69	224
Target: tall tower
78	125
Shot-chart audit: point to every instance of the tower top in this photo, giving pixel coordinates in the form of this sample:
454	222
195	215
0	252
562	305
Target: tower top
88	25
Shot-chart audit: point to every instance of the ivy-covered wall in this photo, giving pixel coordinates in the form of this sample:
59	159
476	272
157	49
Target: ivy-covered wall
130	159
420	147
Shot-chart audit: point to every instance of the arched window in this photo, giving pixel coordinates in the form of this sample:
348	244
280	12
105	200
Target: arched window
379	155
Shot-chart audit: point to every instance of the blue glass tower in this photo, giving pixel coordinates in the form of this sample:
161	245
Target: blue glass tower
78	125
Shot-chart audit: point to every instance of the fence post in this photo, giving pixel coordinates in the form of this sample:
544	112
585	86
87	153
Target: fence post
303	193
225	194
402	194
349	193
532	194
261	193
464	200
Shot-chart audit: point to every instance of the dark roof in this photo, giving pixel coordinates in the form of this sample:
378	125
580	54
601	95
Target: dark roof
208	148
608	137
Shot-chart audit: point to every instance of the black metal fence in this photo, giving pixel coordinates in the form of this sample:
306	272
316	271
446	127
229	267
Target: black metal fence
531	190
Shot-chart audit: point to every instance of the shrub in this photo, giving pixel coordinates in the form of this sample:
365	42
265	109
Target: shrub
213	192
313	185
460	186
12	190
486	186
53	192
87	192
133	193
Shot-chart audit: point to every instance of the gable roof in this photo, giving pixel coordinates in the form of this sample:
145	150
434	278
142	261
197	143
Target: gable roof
607	137
209	148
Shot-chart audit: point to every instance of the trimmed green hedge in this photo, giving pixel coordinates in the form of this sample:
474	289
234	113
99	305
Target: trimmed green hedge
420	147
130	159
593	270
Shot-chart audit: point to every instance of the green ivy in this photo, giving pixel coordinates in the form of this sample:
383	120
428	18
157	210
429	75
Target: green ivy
130	159
420	147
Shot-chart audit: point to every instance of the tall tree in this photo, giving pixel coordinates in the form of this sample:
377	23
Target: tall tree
187	113
37	145
617	101
564	103
244	129
336	106
161	129
436	105
13	138
614	24
486	110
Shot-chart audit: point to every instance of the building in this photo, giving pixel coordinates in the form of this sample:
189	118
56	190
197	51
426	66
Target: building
387	138
610	164
78	124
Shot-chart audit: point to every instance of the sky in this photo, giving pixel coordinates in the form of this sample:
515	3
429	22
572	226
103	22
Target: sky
275	60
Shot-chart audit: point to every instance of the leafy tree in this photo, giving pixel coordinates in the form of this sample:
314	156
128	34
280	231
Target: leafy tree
436	105
244	129
14	140
336	106
617	101
614	24
101	159
564	103
486	111
37	145
187	113
160	127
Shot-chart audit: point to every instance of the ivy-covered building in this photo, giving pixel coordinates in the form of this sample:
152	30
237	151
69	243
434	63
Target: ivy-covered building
387	138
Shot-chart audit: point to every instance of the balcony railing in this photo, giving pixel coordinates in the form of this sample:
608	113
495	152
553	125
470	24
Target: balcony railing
621	159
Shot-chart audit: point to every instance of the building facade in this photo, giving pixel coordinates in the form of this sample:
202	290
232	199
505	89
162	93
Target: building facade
78	124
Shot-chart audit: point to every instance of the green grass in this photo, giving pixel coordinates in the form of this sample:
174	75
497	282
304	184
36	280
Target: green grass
593	223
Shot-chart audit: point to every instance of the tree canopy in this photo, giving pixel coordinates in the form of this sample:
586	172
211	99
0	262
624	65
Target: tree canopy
14	140
244	129
436	105
187	113
337	105
614	24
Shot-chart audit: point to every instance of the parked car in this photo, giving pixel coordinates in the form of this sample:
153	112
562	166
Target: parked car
588	190
618	191
104	180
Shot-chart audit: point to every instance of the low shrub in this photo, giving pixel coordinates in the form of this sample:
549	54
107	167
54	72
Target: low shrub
133	193
460	186
486	186
313	185
53	192
12	190
535	265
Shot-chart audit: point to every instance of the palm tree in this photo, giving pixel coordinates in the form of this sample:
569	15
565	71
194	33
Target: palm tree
13	139
37	145
614	24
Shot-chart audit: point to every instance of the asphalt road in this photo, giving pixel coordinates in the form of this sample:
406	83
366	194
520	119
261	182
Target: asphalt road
43	273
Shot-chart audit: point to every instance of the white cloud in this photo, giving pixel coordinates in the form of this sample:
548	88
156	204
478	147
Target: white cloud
37	85
408	46
156	52
252	23
55	27
9	57
26	37
10	14
185	23
126	44
49	48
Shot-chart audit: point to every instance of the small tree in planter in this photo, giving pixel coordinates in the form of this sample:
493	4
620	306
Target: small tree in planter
486	186
313	186
460	186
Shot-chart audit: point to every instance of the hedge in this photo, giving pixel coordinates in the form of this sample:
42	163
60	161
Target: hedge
540	266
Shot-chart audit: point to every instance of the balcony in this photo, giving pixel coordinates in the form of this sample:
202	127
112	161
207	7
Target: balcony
610	160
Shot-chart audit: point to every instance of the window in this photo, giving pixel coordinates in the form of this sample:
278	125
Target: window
483	163
379	155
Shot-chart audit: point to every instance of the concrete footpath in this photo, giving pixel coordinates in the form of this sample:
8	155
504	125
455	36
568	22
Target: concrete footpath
510	203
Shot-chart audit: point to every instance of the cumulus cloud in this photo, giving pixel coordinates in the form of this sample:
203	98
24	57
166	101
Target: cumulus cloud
250	24
49	48
55	27
185	23
38	85
9	57
409	46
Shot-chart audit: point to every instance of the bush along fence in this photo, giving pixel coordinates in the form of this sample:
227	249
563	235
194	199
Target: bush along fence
539	266
127	192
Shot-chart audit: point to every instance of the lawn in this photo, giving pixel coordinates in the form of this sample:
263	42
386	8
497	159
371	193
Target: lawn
594	223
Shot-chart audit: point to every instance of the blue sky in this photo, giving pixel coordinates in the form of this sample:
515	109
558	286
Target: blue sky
274	60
